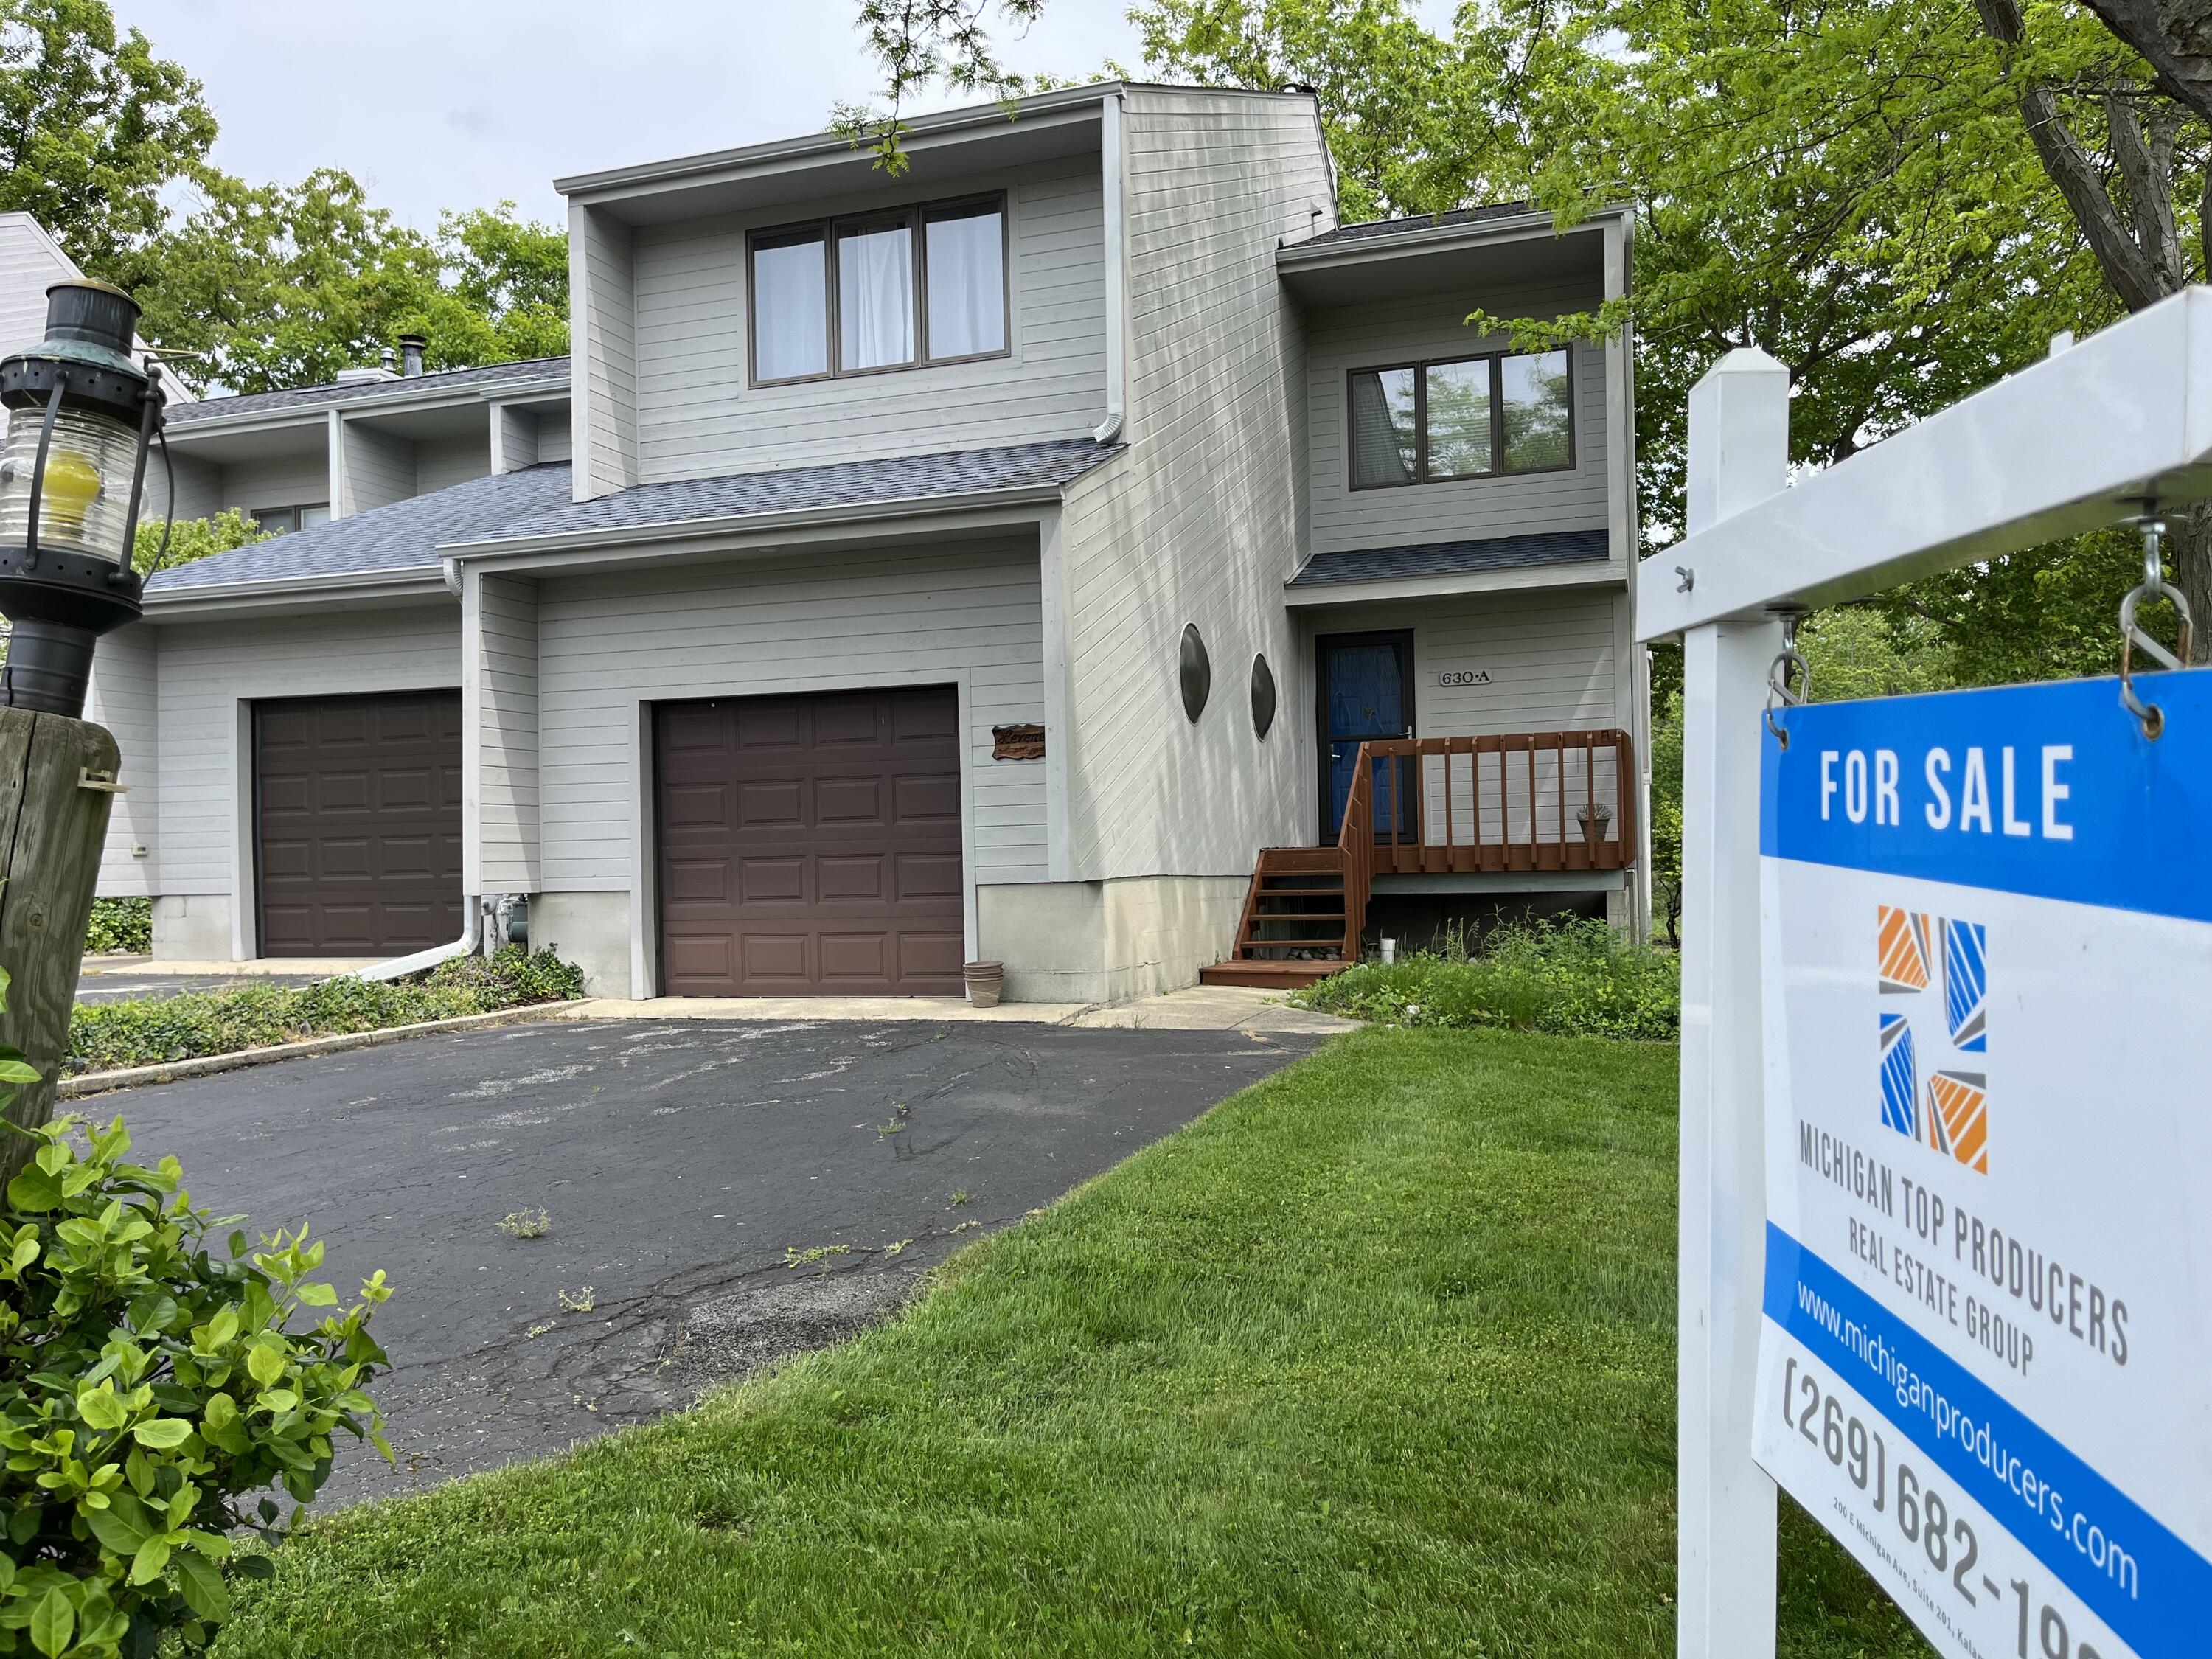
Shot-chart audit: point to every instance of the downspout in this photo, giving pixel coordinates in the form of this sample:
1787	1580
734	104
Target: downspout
1117	299
471	903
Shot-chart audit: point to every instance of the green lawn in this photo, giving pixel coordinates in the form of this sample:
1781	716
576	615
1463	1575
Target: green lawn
1376	1358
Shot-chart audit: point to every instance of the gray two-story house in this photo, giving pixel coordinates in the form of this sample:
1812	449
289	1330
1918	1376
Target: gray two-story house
1006	560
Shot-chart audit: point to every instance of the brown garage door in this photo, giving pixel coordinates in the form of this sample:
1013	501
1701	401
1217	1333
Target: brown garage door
811	845
358	809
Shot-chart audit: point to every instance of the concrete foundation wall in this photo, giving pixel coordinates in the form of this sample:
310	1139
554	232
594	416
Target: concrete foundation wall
193	928
592	930
1107	941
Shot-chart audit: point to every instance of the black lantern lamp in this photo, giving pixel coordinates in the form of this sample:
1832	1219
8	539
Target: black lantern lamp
81	414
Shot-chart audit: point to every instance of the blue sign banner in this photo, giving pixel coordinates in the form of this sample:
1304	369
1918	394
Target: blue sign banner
2046	791
2076	1521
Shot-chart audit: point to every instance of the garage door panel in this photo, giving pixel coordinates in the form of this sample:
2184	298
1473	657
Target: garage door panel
409	789
358	822
856	957
928	875
849	878
843	863
775	956
932	956
778	805
839	801
927	799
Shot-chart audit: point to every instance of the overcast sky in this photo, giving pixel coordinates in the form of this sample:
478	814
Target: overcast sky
463	103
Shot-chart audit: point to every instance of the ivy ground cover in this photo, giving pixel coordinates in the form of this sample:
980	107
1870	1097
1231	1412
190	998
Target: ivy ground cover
1375	1358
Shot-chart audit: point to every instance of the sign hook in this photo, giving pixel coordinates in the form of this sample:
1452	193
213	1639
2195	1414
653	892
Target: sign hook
1778	692
2153	585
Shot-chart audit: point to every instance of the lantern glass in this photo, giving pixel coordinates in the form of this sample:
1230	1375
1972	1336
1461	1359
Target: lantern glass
85	505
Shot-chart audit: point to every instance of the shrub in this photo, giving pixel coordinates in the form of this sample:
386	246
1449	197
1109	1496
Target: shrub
153	1030
151	1389
120	924
1569	978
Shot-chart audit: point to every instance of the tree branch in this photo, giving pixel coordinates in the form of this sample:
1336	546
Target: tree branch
2174	37
2147	165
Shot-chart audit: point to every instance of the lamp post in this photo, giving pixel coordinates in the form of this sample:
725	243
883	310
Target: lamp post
81	416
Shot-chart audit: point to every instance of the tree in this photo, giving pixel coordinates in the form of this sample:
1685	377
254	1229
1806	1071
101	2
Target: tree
188	539
2121	120
284	285
94	129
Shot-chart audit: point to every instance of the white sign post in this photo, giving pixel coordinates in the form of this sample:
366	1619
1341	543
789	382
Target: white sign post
1775	983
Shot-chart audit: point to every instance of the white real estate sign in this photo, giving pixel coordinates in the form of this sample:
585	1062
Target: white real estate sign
1985	1360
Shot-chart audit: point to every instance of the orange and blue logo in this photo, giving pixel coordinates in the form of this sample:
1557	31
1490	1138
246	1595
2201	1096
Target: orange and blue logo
1934	1085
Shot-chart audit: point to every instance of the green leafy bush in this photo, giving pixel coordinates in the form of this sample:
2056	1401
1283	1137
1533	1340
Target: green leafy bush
120	924
151	1391
1569	978
153	1030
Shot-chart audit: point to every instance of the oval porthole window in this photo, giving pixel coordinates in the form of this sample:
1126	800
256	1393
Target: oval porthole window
1263	696
1194	672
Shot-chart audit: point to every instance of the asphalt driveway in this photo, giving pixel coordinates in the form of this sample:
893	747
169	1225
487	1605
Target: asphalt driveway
685	1167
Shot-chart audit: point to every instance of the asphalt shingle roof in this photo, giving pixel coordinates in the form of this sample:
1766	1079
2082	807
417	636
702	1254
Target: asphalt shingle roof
404	535
788	490
318	396
1372	228
1376	564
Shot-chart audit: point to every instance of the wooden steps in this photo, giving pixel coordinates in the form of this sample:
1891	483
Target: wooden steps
1294	929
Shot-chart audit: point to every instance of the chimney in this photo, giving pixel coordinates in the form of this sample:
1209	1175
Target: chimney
410	356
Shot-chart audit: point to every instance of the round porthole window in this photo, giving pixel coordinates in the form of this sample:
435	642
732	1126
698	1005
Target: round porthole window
1194	673
1263	696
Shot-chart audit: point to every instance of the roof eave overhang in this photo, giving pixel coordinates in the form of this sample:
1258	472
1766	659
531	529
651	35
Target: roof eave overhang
919	133
1419	239
982	509
1593	573
373	403
359	588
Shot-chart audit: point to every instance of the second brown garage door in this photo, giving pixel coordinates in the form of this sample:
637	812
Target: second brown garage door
811	845
357	803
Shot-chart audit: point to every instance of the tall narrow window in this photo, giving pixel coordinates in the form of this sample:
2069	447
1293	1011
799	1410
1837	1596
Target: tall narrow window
791	306
965	251
1459	419
875	294
1535	405
1385	429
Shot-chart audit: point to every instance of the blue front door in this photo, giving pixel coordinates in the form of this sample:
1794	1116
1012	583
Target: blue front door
1366	691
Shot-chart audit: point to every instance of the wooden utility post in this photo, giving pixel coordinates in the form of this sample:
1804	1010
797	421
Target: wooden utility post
57	784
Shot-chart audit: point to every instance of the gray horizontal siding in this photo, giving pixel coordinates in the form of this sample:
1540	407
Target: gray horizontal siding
553	438
1338	342
281	481
503	718
123	699
608	643
379	469
208	669
697	418
454	461
1198	522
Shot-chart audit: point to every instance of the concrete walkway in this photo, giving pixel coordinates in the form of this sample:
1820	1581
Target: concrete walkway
1199	1008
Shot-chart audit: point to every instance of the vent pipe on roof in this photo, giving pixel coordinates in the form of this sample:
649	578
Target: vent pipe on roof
411	347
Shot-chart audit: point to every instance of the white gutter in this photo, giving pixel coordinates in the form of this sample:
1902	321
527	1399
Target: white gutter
1117	275
400	967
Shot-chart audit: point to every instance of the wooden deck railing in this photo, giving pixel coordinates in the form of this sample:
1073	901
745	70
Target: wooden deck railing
1532	800
1355	853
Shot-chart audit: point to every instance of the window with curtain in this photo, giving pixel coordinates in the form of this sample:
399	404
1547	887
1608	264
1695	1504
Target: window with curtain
892	291
791	306
1466	417
965	251
875	295
1385	435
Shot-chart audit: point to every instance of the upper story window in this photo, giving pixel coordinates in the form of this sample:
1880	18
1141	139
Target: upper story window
1471	418
891	290
277	521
